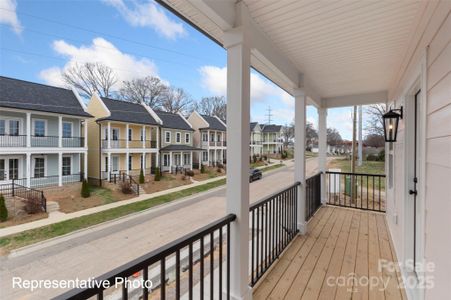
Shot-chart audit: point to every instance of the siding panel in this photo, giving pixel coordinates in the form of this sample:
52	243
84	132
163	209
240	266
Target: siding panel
440	95
439	123
439	151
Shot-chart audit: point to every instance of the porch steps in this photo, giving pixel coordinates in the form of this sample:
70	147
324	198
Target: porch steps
52	206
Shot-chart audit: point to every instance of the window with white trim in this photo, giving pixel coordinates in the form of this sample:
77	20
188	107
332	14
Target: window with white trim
14	127
106	163
187	159
67	165
204	156
130	162
187	138
67	129
130	134
204	137
39	128
178	137
166	160
39	167
167	136
2	127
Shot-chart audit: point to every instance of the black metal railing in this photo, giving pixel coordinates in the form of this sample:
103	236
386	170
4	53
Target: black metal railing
11	140
29	194
273	225
173	269
122	176
51	180
312	195
355	190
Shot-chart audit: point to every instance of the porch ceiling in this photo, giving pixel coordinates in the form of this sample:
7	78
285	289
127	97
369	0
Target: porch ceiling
341	47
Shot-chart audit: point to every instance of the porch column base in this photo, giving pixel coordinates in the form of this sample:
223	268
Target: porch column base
246	296
302	227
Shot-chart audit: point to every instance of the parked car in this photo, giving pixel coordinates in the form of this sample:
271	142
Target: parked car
255	174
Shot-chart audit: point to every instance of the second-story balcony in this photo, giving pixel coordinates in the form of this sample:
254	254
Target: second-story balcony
124	144
40	141
255	142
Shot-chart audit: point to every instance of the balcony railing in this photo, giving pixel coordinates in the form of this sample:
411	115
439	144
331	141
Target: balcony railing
160	271
361	191
312	195
51	180
122	144
256	142
40	141
273	226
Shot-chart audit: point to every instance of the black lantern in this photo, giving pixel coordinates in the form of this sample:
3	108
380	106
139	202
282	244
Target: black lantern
391	121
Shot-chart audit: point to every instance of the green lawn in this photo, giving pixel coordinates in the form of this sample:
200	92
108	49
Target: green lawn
54	230
309	154
367	167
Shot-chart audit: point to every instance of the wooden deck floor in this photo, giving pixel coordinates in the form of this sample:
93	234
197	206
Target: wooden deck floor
335	260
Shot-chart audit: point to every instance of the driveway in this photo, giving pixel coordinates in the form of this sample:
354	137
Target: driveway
94	253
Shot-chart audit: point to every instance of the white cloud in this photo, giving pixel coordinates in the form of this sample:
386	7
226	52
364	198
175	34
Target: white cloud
8	15
149	15
125	66
214	79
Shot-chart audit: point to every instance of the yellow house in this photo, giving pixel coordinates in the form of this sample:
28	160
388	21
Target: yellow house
123	137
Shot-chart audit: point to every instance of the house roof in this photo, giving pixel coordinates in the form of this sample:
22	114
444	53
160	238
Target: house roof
272	128
171	120
214	123
253	124
127	112
20	94
175	147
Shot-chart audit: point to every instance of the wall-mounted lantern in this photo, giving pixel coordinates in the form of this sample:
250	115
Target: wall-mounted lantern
391	121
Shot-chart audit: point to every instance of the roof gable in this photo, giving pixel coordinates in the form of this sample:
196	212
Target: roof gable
128	112
174	121
272	128
214	123
20	94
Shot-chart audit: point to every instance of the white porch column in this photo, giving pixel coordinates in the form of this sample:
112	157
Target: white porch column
144	136
157	160
86	134
144	162
108	167
216	156
60	131
28	171
191	160
158	138
238	115
60	169
126	136
170	162
299	155
109	139
28	129
182	159
127	158
322	149
85	165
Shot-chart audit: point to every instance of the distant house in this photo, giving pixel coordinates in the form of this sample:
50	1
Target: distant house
43	134
123	137
272	139
177	148
209	135
256	147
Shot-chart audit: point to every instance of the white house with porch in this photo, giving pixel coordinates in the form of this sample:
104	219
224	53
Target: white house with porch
328	54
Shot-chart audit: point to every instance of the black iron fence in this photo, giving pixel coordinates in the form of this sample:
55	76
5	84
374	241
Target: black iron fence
361	191
51	180
273	225
121	177
28	194
185	266
312	195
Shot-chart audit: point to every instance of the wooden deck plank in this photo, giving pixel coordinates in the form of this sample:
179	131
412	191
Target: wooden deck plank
391	290
361	289
376	292
271	279
344	291
288	276
299	284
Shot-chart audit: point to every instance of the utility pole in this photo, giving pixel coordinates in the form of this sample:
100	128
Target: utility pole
353	157
269	115
360	137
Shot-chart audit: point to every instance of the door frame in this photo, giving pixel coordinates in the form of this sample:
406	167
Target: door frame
19	167
418	82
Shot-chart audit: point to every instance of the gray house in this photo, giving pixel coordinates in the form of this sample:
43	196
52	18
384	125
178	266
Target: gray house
42	134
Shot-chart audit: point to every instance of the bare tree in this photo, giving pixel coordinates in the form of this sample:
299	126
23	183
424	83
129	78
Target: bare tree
333	137
149	90
375	122
176	100
310	133
90	78
374	140
212	106
288	133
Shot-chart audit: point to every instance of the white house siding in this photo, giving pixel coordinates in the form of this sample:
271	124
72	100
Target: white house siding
434	29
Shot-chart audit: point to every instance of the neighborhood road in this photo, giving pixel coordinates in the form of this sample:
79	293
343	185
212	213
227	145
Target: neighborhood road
94	253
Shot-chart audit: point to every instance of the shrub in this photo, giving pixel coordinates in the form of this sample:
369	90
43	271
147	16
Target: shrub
221	166
189	173
381	155
141	176
85	191
3	210
219	170
284	154
202	168
157	174
265	157
254	158
184	177
371	157
32	204
126	187
260	158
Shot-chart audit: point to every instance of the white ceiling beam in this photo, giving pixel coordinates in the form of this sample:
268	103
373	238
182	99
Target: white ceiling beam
222	13
358	99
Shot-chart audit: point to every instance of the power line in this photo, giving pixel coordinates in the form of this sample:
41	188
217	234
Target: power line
269	115
102	33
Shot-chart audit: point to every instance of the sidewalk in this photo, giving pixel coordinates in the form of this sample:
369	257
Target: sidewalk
55	217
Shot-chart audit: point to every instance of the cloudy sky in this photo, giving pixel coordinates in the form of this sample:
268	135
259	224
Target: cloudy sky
39	39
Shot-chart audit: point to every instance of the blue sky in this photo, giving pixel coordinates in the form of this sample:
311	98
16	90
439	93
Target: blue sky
38	39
